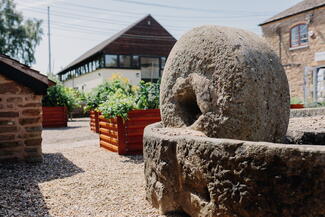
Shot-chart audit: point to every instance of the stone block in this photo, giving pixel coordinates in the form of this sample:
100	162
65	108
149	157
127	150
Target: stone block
6	129
26	121
9	87
31	112
9	114
204	176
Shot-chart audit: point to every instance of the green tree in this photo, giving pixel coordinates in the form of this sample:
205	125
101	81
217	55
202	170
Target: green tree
18	37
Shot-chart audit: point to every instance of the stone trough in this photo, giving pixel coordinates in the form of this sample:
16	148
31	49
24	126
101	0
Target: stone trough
204	176
218	150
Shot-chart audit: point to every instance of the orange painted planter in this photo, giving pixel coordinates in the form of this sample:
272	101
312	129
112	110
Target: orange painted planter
125	136
55	116
297	106
94	122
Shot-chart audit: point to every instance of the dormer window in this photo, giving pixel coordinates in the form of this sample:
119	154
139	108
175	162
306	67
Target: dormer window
299	35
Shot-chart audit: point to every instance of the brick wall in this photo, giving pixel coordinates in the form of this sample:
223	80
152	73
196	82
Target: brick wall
20	122
277	34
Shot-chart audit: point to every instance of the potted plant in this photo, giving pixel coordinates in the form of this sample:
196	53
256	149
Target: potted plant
296	103
124	116
57	103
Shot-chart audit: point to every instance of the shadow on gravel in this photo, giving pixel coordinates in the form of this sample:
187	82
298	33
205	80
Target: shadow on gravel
20	194
135	159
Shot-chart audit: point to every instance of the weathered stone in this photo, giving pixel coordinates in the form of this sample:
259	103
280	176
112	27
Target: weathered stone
7	122
33	129
15	99
5	129
33	142
25	121
229	178
31	112
9	87
9	137
9	144
9	114
30	105
226	83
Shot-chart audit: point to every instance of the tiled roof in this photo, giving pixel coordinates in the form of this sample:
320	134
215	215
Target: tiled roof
303	6
24	74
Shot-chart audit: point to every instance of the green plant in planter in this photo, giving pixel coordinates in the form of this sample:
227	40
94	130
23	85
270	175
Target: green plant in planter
59	95
101	94
148	95
118	104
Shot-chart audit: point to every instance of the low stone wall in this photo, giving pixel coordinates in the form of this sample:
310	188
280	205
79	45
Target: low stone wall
20	122
221	177
307	112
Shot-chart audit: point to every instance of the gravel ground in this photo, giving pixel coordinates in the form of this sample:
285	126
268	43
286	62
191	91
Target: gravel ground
77	178
307	124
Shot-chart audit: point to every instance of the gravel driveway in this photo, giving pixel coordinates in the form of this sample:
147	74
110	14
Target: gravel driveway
77	178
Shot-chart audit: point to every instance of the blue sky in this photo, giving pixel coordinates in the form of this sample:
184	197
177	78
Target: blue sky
77	26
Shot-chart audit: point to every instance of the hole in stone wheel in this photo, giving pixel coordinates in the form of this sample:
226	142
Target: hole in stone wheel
188	107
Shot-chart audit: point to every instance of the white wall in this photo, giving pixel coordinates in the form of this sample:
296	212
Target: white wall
93	79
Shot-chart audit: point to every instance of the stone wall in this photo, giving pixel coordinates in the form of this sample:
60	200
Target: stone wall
295	60
20	122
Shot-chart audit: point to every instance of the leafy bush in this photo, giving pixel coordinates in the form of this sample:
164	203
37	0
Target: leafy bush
117	97
118	104
101	94
148	95
59	95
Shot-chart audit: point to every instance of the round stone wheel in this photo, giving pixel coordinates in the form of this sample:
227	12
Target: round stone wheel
226	83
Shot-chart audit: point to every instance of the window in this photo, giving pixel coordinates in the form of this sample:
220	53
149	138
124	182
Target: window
125	61
163	62
135	62
150	68
111	60
299	35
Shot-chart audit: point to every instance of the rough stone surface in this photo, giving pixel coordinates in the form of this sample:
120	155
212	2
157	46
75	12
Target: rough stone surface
229	178
226	83
20	122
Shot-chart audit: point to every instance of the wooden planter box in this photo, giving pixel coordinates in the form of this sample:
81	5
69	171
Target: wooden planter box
55	116
297	106
94	122
125	137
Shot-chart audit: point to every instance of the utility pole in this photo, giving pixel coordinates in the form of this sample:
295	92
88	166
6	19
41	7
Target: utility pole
49	40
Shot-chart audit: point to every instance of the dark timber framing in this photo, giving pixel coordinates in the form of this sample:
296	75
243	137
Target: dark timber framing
145	38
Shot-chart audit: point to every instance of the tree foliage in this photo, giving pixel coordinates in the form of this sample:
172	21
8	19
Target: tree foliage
18	37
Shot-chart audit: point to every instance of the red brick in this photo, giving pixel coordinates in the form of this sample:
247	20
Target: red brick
8	129
33	142
9	87
25	121
32	112
9	114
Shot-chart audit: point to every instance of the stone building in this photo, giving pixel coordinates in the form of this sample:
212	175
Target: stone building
298	36
138	52
21	90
